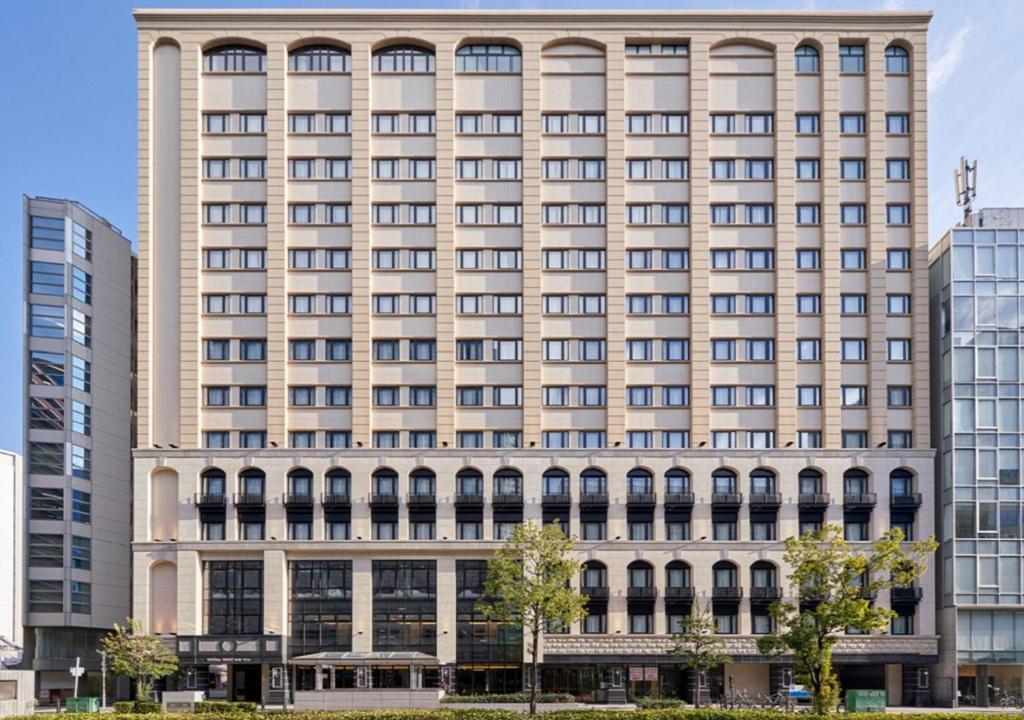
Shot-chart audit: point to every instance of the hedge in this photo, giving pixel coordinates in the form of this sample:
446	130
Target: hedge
136	707
520	697
220	707
580	714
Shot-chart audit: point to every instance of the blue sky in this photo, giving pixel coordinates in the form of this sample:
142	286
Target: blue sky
69	122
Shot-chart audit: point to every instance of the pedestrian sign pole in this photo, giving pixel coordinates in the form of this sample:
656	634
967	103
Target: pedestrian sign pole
77	671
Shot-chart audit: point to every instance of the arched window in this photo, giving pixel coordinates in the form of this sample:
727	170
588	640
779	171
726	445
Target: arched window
385	482
897	59
763	575
807	59
422	482
901	483
508	483
214	482
723	481
639	482
593	482
723	574
469	483
252	482
488	58
641	574
855	482
300	483
319	58
235	58
594	575
403	59
762	482
677	482
555	482
810	482
338	483
677	575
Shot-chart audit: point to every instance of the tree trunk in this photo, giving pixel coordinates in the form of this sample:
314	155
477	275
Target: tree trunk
535	677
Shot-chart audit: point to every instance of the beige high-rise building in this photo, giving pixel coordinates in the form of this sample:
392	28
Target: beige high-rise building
409	278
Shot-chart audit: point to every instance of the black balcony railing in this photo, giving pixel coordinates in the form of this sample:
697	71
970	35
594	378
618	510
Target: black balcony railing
210	501
642	593
594	499
679	593
765	593
507	500
595	592
336	500
250	500
383	499
556	499
906	594
860	500
469	499
814	500
764	500
421	500
679	500
300	500
644	499
727	499
906	500
726	593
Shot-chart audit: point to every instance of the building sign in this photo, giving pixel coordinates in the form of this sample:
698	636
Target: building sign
636	673
651	673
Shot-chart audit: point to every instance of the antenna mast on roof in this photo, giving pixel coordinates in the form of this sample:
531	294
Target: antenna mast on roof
965	179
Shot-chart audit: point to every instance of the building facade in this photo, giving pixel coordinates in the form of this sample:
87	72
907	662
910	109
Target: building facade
978	313
78	419
410	278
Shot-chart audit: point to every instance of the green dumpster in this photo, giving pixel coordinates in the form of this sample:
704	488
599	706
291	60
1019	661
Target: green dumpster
865	701
82	704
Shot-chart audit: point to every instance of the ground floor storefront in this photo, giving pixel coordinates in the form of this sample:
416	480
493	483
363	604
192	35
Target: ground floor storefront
990	685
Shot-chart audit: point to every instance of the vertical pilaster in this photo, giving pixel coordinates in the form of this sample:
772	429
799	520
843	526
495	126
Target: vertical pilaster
277	251
361	310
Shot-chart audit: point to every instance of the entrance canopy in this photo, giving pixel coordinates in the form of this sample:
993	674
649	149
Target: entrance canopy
404	659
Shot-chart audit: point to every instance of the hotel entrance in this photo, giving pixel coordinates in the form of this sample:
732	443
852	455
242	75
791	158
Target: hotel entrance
246	683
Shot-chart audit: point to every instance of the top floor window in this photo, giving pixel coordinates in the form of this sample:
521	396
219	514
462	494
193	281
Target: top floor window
851	58
319	58
488	58
235	59
897	59
807	59
403	59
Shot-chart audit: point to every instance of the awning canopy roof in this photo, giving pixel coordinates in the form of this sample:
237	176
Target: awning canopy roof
366	658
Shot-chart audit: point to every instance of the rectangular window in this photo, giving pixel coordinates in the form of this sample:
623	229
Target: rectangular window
897	123
851	58
46	596
807	124
47	278
897	214
851	124
46	503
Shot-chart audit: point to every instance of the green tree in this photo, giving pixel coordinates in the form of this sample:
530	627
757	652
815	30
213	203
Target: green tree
528	585
701	645
833	584
141	657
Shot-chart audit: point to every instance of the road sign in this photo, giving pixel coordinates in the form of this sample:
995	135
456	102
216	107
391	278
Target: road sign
77	671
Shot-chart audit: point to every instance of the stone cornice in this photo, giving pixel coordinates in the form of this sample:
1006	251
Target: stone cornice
164	18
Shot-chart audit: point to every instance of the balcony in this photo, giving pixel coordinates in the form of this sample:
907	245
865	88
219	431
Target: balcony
294	501
727	593
595	592
679	593
765	501
464	499
250	500
642	499
862	501
210	501
556	500
814	501
727	499
594	500
336	501
906	500
383	500
507	500
766	594
679	501
905	595
642	593
420	500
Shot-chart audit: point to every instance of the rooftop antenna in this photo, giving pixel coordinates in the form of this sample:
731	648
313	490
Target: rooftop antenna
965	179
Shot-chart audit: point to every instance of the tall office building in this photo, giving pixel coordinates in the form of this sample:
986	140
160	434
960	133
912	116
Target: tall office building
410	278
977	297
78	438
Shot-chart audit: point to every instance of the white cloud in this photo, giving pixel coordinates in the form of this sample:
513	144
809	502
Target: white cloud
946	64
893	4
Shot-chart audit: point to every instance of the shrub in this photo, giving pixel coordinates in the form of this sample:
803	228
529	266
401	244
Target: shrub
520	697
124	706
217	707
147	706
659	703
